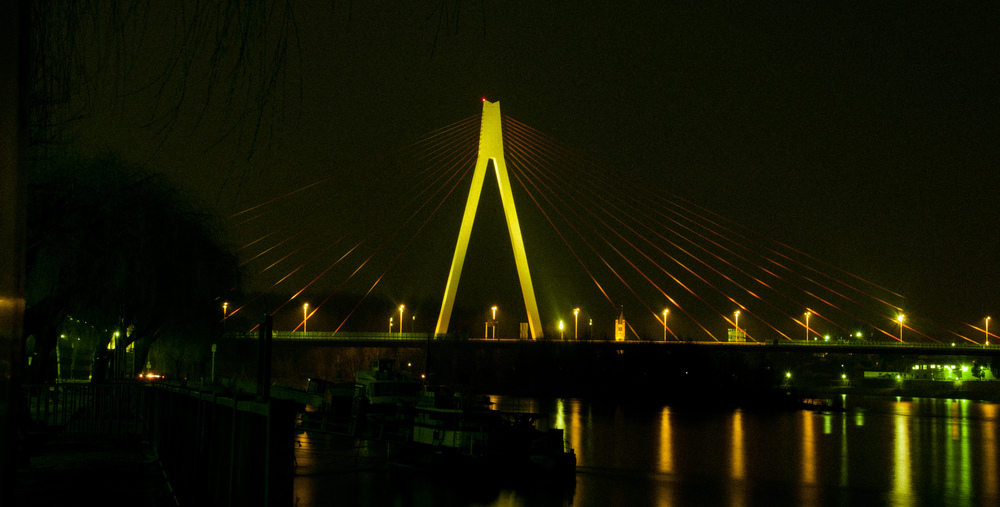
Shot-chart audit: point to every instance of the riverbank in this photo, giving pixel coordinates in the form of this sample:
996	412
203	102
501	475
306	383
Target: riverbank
986	390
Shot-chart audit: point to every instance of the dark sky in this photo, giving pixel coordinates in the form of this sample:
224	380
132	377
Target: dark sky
862	133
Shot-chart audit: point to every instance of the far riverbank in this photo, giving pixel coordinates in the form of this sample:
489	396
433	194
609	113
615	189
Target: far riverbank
981	390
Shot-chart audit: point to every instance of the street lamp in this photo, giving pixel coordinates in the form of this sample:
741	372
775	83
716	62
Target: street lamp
987	330
900	319
400	319
390	325
494	322
576	313
225	314
561	336
305	316
665	312
737	314
807	325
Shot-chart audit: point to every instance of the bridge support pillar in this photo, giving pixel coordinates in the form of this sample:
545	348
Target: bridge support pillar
490	149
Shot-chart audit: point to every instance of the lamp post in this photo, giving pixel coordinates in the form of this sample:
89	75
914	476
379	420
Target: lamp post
494	322
225	313
987	330
737	315
900	319
561	335
576	320
305	316
807	325
400	319
665	312
390	325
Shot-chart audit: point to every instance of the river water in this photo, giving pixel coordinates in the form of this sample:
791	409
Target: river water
866	451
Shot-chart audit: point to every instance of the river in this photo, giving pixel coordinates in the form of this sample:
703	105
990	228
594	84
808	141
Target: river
863	451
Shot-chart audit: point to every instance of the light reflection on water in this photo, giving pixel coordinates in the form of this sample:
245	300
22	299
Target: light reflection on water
902	493
990	474
736	456
881	451
666	452
575	428
843	452
737	491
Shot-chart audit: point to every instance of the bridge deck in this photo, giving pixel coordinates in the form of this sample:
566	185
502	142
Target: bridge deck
414	340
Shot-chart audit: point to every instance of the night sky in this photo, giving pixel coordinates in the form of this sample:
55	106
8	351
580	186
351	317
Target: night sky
862	133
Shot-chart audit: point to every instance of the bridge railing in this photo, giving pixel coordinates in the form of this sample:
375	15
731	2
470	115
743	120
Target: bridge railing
880	344
319	335
417	337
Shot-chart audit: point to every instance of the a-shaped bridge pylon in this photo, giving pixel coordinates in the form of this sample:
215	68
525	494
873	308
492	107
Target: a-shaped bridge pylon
490	149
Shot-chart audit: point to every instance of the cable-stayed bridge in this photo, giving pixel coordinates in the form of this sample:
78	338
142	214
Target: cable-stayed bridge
572	245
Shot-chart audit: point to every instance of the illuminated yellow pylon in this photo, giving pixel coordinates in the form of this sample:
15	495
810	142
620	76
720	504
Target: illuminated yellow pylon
490	148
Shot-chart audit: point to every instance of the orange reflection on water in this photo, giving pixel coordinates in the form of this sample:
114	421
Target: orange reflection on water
807	488
990	479
808	449
902	487
666	448
575	430
736	469
954	421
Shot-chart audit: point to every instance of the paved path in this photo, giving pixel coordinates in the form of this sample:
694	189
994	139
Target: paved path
75	471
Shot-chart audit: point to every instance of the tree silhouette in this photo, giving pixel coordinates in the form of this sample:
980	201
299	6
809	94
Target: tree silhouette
122	251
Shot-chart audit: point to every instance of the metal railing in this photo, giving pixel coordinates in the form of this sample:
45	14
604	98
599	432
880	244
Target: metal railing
215	450
118	410
221	450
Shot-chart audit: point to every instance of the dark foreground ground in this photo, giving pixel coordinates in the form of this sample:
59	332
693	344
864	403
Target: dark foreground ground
70	470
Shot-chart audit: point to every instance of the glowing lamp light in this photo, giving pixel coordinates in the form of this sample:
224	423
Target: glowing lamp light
901	318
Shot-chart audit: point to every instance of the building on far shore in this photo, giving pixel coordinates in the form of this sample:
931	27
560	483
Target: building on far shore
947	369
